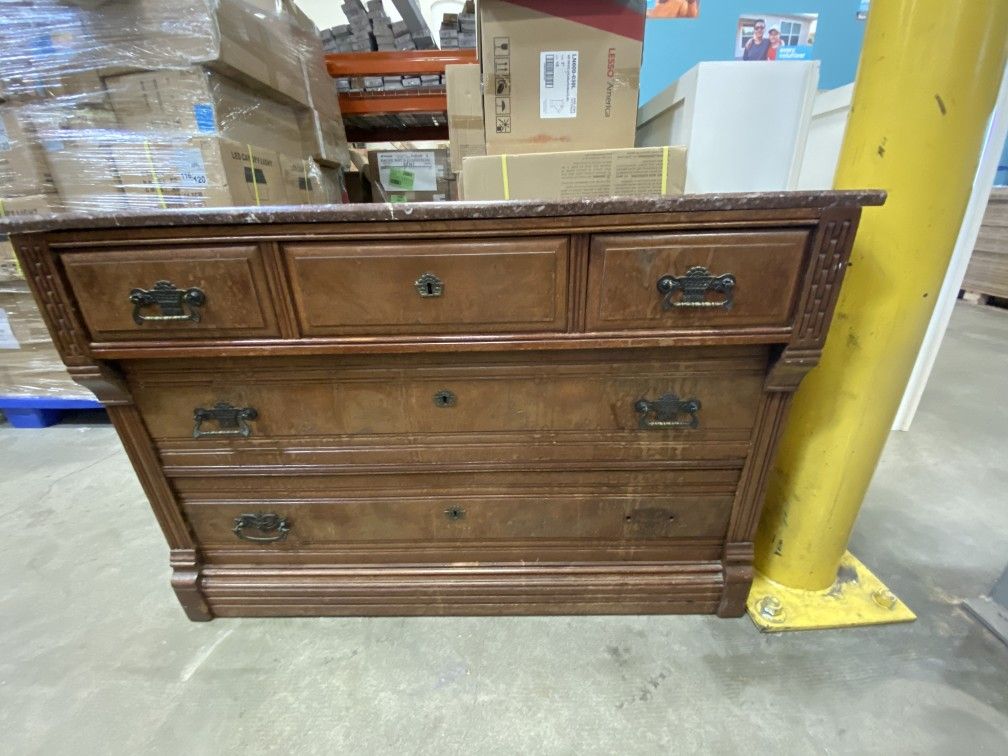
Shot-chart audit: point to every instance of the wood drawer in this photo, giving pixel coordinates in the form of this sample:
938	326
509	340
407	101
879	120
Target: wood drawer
429	287
228	293
403	400
467	516
452	524
625	272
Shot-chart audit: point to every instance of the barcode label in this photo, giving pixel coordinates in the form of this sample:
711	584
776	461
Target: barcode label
558	82
549	70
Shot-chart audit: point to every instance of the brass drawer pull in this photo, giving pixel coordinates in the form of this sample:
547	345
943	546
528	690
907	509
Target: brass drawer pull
175	304
668	411
232	421
454	513
429	285
694	287
278	527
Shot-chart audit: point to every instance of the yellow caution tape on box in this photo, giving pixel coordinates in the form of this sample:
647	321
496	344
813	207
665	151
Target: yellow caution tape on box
153	175
255	184
664	170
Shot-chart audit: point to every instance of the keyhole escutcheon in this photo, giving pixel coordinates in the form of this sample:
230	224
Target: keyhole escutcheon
429	285
445	398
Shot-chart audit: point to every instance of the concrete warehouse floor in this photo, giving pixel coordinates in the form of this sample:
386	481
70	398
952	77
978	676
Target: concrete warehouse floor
97	657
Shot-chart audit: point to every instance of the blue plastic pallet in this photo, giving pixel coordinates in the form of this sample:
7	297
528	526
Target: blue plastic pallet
41	411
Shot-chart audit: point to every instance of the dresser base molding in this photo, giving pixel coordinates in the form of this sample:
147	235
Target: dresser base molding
486	589
185	582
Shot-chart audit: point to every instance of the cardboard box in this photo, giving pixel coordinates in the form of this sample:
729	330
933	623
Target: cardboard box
635	172
308	183
324	139
464	88
29	363
409	175
31	206
121	36
195	102
79	145
202	172
10	269
302	182
560	76
23	168
334	185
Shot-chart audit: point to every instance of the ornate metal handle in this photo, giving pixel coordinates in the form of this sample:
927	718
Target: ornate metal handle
175	304
668	411
233	421
272	523
429	285
694	287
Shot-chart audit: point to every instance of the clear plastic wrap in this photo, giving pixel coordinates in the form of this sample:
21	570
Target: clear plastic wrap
29	363
139	104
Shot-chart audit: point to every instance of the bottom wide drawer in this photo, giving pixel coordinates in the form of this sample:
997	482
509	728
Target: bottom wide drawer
676	511
462	528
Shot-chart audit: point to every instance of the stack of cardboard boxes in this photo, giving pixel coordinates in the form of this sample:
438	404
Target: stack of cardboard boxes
551	109
144	104
141	104
29	363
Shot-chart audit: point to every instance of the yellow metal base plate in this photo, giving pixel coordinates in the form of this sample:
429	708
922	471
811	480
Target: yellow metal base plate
856	598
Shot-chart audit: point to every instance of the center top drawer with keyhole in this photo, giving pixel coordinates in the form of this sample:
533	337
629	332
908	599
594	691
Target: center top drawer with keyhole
429	286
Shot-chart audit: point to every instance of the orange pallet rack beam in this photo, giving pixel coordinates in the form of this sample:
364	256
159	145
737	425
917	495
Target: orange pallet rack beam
395	63
398	63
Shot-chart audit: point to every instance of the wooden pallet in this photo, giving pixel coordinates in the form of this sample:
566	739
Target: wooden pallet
986	279
41	411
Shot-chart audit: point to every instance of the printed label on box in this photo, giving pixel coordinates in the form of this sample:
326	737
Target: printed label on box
408	171
206	118
7	340
558	84
190	167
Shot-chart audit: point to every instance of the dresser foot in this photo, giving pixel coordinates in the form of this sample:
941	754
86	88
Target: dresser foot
185	582
738	577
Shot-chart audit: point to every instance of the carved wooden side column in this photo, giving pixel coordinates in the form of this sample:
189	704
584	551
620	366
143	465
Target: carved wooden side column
69	334
829	255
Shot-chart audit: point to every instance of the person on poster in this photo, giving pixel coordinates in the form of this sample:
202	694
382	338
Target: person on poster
675	9
775	44
757	48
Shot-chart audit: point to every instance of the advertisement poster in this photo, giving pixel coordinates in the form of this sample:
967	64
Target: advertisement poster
673	8
775	36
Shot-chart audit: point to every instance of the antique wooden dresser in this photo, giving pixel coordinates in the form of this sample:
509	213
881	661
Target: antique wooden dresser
469	408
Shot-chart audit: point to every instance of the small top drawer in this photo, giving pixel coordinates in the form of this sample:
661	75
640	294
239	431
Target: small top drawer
429	287
694	280
190	293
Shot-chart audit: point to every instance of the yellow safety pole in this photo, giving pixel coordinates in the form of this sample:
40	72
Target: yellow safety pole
927	84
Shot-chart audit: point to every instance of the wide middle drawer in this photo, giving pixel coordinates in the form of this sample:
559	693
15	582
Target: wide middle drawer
702	393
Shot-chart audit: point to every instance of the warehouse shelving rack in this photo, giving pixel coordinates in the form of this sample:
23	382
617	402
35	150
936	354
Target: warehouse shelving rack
410	105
